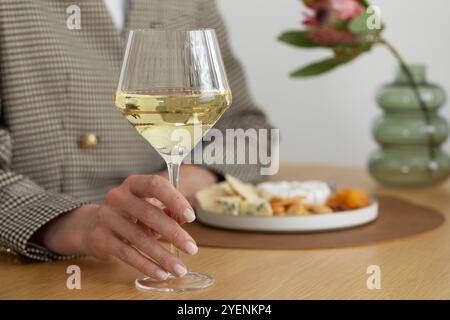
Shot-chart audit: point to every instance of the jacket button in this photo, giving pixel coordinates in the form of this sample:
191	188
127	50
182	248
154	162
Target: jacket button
88	141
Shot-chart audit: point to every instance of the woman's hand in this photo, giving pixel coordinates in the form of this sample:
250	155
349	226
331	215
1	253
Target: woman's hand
126	227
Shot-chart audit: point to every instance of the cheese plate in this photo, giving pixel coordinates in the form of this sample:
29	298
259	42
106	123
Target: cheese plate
283	206
307	223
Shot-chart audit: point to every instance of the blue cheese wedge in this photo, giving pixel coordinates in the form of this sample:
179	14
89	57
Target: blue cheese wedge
257	207
228	205
206	198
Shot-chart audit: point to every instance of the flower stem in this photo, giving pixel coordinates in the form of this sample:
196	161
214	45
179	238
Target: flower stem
414	87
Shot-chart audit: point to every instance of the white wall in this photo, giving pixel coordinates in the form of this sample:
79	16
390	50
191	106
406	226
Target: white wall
328	119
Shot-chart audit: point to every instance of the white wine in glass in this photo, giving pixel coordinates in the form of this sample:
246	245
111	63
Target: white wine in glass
173	88
173	121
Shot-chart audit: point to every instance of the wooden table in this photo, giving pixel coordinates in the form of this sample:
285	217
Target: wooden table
414	268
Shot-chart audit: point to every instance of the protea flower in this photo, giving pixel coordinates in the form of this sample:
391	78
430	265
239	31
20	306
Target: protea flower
342	27
327	22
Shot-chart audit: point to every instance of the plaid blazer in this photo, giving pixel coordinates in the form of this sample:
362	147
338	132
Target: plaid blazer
56	89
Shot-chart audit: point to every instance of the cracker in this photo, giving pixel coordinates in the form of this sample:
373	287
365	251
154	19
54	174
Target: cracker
278	210
320	209
297	209
293	200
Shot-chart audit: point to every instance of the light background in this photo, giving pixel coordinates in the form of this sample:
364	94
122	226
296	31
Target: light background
328	119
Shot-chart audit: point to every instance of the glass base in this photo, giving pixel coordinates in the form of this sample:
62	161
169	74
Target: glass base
191	281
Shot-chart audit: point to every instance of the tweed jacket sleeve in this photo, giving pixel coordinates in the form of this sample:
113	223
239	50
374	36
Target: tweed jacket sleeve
244	113
25	207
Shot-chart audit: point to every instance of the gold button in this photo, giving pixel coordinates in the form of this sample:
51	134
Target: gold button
7	251
88	141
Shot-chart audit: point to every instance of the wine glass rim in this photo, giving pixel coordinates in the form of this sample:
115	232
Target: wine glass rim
172	30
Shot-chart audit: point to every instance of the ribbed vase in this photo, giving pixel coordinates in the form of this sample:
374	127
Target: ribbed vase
403	158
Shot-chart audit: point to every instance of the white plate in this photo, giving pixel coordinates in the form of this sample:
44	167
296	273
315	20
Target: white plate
311	223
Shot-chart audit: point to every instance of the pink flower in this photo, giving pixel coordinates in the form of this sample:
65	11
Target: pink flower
330	35
346	9
326	21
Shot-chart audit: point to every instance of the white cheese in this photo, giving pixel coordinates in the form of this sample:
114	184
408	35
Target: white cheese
314	192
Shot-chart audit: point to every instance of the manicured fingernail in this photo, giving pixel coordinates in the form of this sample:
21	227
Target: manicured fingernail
180	271
161	275
191	248
189	215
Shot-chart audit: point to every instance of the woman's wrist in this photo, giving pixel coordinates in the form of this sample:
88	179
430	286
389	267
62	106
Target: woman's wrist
81	219
64	235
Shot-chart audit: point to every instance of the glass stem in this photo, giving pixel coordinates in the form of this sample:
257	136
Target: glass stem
174	172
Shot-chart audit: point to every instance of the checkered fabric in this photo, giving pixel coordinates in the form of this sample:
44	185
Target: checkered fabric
57	85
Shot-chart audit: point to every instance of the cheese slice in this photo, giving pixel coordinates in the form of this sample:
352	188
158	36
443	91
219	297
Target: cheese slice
206	198
246	191
228	205
258	207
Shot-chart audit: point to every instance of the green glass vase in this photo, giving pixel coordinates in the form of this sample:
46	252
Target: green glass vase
403	158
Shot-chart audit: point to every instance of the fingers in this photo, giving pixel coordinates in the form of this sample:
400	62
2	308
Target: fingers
155	219
160	205
157	187
132	257
103	244
149	231
155	202
147	245
181	220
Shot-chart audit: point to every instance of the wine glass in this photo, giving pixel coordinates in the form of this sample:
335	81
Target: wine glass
173	88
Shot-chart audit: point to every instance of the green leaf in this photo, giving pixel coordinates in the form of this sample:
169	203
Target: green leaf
308	1
364	3
359	25
299	39
320	67
352	49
